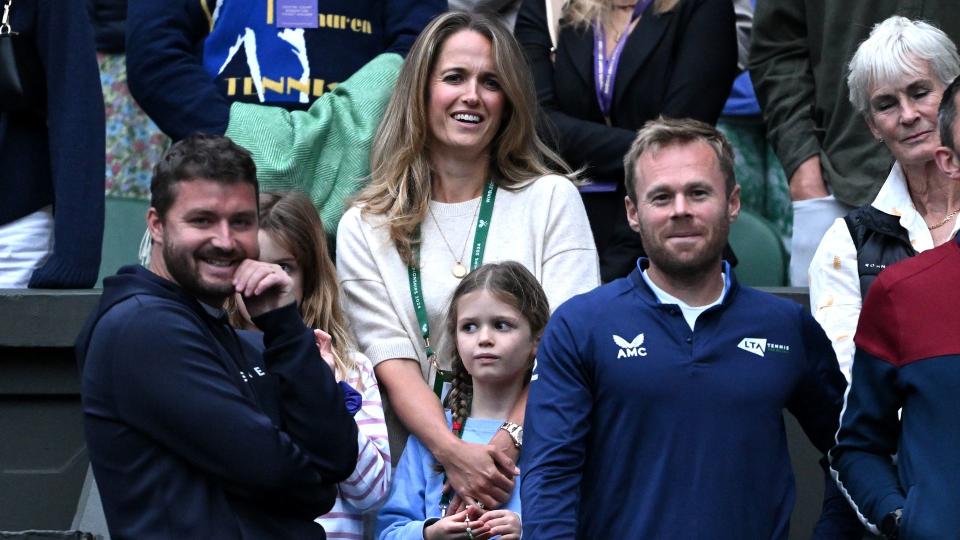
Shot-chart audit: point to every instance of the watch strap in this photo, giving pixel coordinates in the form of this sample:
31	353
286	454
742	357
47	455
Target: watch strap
515	431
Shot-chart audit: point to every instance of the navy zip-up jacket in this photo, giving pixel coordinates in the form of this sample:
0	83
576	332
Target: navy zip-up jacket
908	357
194	434
638	427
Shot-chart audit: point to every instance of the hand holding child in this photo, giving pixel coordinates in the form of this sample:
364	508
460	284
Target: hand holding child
325	345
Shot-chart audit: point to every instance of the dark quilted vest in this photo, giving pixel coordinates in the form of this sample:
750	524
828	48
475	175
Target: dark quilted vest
880	242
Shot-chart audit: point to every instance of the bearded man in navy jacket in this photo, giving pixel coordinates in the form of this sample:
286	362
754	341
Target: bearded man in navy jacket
193	432
655	408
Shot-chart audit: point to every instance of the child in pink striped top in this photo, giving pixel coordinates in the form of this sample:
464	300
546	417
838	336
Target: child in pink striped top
369	484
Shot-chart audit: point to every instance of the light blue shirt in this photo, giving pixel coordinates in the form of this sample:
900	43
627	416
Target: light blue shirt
414	500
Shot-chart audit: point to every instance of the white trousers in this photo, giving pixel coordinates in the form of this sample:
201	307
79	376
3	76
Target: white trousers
24	245
811	219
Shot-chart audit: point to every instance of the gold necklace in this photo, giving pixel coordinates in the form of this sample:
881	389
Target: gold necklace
458	270
619	29
945	220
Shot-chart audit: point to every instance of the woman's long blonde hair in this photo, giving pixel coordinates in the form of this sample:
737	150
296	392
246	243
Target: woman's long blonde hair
580	14
400	174
292	221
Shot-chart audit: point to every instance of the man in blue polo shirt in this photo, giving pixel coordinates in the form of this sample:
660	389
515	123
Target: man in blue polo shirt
656	406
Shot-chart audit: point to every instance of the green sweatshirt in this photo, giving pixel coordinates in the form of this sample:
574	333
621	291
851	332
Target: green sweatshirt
324	151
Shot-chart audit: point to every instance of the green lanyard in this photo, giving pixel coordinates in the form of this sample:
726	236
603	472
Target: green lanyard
476	259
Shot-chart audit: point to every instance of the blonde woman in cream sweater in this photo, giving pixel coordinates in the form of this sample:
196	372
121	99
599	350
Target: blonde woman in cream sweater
459	178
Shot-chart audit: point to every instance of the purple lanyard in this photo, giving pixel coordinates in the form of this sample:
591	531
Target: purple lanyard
606	68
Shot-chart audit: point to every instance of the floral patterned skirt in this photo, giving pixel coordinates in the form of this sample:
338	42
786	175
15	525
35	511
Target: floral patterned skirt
134	142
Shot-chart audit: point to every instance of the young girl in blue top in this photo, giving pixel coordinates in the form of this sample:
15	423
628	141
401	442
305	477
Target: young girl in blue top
496	317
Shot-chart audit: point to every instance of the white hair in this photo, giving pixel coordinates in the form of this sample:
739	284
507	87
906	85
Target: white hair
898	48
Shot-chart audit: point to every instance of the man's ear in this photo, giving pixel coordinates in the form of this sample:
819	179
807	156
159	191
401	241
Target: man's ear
947	162
733	204
155	226
633	216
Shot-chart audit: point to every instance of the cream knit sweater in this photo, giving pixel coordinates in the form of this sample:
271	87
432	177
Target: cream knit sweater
543	226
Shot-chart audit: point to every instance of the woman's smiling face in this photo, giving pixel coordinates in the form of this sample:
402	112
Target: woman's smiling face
465	104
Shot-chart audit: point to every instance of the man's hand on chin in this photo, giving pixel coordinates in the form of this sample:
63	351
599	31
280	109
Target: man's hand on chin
264	286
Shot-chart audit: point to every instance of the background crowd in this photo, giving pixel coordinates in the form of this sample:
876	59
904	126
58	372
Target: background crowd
395	135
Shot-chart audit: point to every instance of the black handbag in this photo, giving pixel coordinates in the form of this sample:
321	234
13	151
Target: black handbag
11	86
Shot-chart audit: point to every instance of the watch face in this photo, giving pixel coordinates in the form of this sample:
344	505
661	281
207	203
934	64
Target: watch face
515	431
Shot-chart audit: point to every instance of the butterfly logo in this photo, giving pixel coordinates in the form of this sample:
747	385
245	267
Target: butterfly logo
630	348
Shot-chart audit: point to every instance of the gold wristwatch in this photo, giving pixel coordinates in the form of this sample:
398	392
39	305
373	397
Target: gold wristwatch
515	431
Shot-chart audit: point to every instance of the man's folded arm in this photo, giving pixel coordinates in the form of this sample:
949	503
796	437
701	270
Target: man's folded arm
174	388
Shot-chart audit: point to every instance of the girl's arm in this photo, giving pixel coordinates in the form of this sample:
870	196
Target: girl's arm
405	512
370	481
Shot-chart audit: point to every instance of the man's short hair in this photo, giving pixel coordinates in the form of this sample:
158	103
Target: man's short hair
948	115
199	156
662	132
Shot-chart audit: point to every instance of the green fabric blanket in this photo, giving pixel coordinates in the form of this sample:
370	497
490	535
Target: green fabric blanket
324	151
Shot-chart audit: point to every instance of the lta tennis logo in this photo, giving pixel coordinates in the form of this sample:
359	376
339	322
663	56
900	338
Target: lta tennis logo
760	346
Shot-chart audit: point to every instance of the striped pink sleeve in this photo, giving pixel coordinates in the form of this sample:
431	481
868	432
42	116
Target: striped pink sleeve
370	482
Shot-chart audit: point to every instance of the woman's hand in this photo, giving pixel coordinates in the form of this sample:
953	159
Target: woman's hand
325	345
480	472
455	527
504	523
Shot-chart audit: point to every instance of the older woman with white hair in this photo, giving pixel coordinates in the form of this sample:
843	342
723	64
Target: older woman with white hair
896	79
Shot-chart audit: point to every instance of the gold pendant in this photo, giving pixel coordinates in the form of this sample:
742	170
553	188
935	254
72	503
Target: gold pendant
459	270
